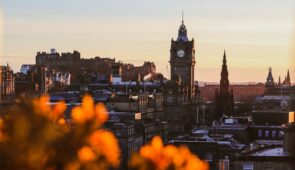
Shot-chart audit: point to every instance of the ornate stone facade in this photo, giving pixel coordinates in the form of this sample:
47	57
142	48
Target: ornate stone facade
224	96
182	61
179	92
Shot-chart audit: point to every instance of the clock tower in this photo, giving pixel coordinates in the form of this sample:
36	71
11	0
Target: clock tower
182	60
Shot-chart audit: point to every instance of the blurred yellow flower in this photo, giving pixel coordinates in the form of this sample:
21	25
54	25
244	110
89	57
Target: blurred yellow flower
165	157
85	154
41	105
101	113
61	121
73	166
101	150
34	132
106	144
59	109
78	115
88	111
88	107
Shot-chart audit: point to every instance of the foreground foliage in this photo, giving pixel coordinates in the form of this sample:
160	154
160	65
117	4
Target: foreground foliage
159	157
35	135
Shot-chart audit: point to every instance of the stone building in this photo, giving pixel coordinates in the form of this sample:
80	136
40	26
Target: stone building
130	72
7	88
284	88
57	60
83	70
244	92
271	157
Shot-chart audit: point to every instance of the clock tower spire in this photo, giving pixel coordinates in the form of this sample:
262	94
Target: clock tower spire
182	32
182	59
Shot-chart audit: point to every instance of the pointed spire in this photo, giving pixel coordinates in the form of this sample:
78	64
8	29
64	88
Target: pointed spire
224	57
288	76
182	32
287	81
224	82
182	21
279	83
269	79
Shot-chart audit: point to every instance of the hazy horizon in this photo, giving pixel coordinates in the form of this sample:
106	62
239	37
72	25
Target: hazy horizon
255	35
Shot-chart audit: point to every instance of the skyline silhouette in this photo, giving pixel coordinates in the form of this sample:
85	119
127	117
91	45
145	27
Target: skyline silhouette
256	35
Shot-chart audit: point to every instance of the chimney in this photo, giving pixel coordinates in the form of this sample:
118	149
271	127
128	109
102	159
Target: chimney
224	163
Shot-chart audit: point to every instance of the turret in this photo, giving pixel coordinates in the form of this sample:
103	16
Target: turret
269	80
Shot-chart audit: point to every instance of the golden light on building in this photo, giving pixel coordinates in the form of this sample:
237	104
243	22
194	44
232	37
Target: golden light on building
291	117
137	116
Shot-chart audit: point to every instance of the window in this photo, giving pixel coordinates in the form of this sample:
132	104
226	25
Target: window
266	134
273	134
260	133
248	166
281	134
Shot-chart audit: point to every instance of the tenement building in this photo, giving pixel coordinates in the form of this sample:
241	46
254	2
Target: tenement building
6	82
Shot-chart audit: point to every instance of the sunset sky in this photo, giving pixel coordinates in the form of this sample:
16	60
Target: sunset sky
256	34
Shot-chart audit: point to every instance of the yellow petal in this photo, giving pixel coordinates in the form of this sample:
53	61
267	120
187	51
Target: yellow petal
86	154
101	113
106	143
78	115
157	143
59	109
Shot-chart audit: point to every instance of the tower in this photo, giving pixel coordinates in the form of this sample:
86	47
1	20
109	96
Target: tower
269	80
224	97
287	79
270	84
182	60
224	82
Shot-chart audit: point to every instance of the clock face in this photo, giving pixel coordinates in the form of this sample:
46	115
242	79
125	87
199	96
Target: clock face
180	53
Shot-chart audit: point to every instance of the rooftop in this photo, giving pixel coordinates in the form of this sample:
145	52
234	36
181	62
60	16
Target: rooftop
270	152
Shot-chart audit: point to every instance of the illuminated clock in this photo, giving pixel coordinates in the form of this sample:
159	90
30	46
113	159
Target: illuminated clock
180	53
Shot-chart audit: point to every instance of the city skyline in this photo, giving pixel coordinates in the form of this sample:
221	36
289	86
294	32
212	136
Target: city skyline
255	35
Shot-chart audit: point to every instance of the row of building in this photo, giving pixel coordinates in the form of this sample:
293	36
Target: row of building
142	103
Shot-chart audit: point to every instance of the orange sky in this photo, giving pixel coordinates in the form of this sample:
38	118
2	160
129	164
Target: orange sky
256	35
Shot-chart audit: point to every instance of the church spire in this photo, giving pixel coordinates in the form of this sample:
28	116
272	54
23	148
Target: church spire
269	79
287	81
182	32
279	83
182	21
